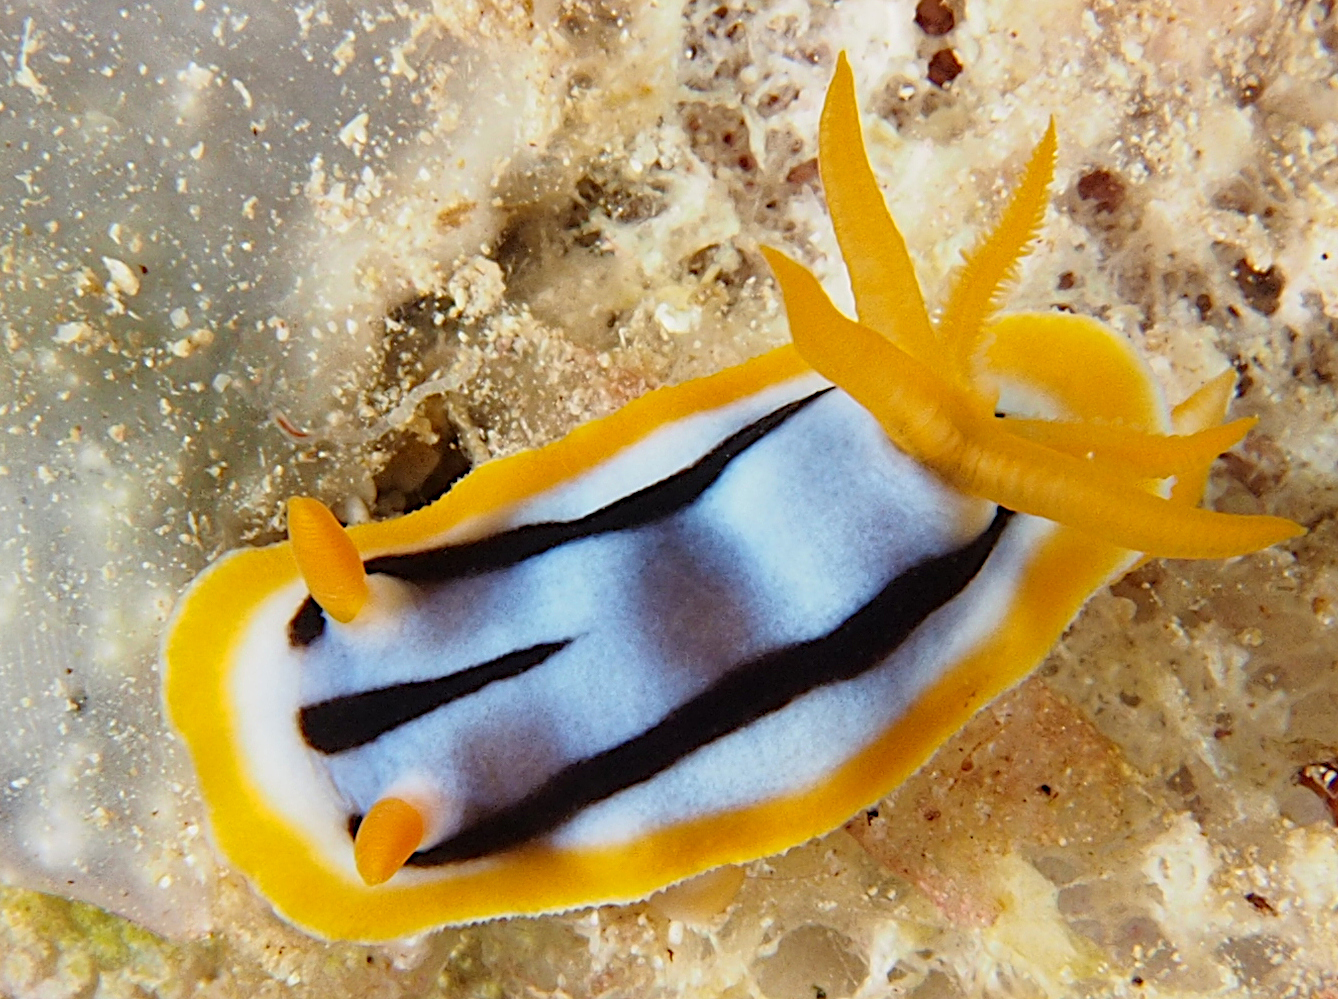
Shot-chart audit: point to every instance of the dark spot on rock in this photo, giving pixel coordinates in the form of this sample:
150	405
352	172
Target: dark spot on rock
1046	790
516	250
1103	188
1130	700
944	67
931	814
634	205
1204	303
805	173
589	190
1260	903
591	24
1140	586
1182	782
1240	196
701	259
1066	281
719	135
1262	289
1320	365
775	101
619	202
575	215
1244	382
934	17
1249	90
1260	474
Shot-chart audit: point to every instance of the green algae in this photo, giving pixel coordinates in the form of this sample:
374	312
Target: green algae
62	947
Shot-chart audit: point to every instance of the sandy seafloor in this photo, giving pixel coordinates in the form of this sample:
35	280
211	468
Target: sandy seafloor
254	249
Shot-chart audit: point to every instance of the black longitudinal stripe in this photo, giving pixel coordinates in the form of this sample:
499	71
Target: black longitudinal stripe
654	502
354	720
749	692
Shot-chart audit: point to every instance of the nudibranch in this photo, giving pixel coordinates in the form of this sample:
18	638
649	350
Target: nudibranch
701	630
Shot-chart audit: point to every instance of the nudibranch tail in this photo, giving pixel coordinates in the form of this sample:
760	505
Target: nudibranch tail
887	293
387	836
976	292
942	427
1073	365
327	558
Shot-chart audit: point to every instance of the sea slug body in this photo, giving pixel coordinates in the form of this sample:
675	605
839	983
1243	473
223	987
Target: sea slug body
704	629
